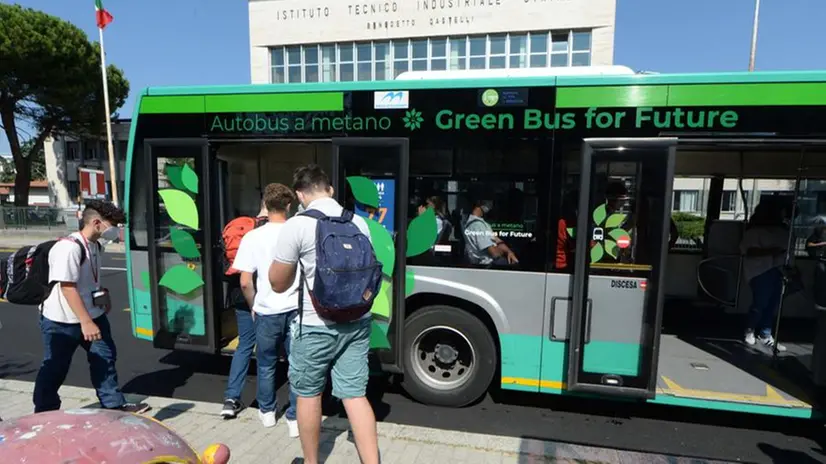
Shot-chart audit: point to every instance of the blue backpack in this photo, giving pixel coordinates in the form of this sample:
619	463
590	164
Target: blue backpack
347	273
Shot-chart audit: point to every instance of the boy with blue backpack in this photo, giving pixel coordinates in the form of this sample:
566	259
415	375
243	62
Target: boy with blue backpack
339	277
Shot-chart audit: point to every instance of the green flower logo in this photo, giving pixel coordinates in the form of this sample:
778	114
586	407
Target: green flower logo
413	119
608	238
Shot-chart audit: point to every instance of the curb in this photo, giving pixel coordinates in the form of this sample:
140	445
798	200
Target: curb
547	451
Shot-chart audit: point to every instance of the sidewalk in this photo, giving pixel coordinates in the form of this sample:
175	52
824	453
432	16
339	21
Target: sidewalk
250	443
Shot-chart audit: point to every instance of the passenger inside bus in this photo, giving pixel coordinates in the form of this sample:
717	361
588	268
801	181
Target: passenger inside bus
443	226
483	247
816	248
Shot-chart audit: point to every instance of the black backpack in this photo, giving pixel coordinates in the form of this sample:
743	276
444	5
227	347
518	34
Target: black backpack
24	275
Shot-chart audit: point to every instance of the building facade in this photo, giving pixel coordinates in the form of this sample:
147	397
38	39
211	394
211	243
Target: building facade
341	40
66	155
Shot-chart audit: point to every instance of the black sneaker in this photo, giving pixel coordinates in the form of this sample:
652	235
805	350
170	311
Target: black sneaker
231	409
134	408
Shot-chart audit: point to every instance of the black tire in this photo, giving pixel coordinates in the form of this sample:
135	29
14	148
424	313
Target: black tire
484	363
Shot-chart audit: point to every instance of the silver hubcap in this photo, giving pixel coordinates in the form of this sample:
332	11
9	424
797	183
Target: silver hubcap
443	357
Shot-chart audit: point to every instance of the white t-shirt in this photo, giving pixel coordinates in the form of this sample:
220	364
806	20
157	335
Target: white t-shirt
297	241
763	237
64	266
255	254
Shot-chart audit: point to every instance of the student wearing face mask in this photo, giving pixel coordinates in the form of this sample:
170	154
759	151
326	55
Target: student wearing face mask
74	313
482	246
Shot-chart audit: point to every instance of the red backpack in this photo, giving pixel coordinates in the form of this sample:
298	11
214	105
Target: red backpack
231	237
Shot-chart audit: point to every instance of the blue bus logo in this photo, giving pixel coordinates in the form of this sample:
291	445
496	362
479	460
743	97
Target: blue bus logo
393	99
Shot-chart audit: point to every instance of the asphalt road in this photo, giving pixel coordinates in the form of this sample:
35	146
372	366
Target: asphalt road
681	431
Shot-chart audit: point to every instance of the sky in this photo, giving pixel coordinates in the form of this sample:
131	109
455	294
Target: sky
206	42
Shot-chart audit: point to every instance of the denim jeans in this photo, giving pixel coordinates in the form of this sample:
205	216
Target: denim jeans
270	333
59	344
241	358
766	291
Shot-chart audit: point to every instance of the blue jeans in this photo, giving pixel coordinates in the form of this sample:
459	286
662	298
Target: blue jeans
59	344
241	358
766	291
270	333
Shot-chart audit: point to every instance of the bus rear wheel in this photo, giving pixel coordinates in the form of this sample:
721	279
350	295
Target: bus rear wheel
449	356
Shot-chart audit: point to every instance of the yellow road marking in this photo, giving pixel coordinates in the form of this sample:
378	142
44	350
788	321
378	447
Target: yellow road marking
142	331
233	345
771	398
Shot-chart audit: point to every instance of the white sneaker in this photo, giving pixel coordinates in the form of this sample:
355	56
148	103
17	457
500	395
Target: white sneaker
769	343
750	339
267	418
292	426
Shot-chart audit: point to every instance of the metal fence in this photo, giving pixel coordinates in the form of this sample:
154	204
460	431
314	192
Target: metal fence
35	217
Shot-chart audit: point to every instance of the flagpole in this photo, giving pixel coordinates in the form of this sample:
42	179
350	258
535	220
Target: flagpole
754	35
113	173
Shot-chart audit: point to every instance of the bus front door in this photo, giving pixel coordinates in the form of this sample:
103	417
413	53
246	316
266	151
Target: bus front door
182	242
370	178
618	287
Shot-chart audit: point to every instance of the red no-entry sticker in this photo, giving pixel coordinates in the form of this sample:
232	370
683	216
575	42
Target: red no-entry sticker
624	242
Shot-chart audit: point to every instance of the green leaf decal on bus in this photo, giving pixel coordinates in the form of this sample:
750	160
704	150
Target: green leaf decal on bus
614	220
409	282
599	215
384	300
180	207
173	175
382	245
184	243
421	233
611	248
570	232
378	335
181	279
189	179
597	252
364	190
145	279
618	234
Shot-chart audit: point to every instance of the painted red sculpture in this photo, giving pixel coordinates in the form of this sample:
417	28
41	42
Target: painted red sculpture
96	436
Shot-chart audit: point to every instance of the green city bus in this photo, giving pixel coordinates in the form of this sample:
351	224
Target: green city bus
447	165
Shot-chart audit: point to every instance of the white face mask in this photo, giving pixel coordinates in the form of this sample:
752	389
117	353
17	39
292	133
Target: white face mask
111	234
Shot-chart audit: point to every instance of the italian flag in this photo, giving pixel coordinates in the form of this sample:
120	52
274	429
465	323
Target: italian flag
103	17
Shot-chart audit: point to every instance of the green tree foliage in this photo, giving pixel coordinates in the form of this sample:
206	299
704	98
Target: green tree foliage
49	81
38	163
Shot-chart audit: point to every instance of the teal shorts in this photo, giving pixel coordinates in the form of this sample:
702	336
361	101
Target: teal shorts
315	349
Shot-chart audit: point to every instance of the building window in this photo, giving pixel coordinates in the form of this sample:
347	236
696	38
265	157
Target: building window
686	200
400	56
581	49
728	202
294	64
328	63
418	51
383	60
311	64
278	72
559	50
497	57
346	60
122	148
438	54
74	190
538	50
72	151
91	150
518	56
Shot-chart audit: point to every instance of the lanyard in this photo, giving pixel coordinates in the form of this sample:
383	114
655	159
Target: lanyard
94	265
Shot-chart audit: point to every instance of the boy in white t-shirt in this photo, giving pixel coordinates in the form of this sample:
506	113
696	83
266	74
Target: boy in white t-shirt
74	313
272	312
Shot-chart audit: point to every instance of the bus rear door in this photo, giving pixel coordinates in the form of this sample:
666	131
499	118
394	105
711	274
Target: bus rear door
384	161
183	241
618	288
